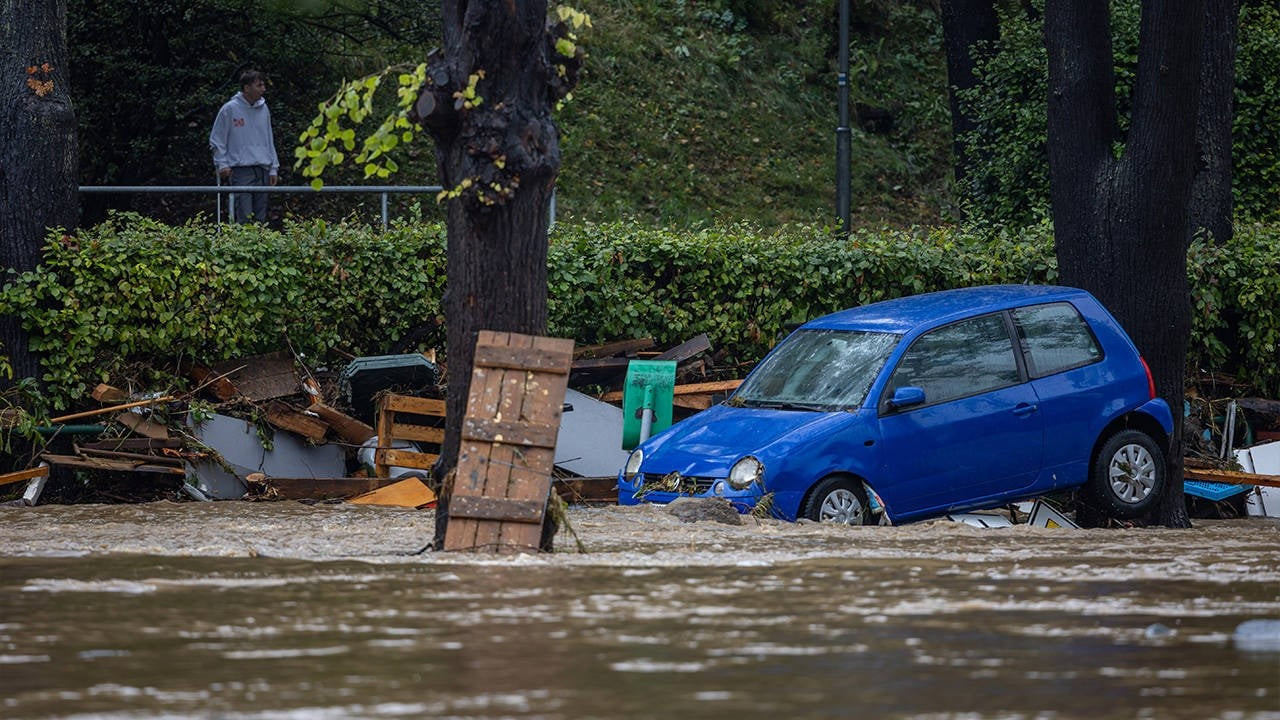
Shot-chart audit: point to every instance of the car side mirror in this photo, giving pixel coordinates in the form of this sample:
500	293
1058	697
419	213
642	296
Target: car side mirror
905	397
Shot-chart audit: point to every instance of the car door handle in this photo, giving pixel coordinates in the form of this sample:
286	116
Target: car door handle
1023	409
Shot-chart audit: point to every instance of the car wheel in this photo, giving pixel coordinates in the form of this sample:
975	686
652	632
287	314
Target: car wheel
839	500
1128	475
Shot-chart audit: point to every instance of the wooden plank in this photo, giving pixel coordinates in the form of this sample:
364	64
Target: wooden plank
141	457
20	475
531	480
107	394
618	347
387	457
510	433
345	426
143	426
587	490
133	444
611	364
410	492
692	402
475	468
510	401
1231	476
522	358
324	488
707	388
687	349
417	433
215	383
105	410
501	509
499	470
416	405
262	377
109	465
287	417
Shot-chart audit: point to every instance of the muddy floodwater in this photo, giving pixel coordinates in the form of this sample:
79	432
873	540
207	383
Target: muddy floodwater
285	610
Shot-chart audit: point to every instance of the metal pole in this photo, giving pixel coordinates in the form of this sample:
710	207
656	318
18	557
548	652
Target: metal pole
217	199
552	225
842	130
384	212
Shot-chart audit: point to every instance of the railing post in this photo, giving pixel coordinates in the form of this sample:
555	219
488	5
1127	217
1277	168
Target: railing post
384	212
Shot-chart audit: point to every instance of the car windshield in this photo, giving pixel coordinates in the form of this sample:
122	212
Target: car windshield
817	370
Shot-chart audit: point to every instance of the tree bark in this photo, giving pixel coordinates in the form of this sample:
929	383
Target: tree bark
500	157
1120	221
1212	207
965	23
38	152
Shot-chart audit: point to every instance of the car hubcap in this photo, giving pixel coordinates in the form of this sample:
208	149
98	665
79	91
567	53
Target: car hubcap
842	506
1132	473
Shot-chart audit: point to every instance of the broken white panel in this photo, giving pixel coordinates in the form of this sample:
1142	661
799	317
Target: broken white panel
981	520
1265	460
1047	516
240	446
587	443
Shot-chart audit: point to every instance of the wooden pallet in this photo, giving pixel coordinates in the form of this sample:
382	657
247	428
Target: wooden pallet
503	478
396	416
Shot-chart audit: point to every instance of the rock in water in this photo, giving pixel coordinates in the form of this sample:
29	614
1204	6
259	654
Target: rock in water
1258	636
694	509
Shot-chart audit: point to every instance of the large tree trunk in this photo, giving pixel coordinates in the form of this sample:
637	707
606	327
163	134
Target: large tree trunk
965	23
1211	201
38	153
1120	224
501	156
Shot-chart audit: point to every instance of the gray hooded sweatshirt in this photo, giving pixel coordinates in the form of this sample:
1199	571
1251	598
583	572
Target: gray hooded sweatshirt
242	136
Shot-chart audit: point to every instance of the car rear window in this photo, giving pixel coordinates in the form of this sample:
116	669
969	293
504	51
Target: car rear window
1055	338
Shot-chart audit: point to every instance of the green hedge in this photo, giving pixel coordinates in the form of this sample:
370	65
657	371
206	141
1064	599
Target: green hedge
133	290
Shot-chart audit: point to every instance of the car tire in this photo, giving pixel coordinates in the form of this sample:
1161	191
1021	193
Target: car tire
1128	475
839	500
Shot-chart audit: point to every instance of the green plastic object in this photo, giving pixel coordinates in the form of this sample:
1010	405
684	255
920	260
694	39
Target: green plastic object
650	385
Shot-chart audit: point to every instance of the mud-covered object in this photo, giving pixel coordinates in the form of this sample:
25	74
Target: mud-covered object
691	509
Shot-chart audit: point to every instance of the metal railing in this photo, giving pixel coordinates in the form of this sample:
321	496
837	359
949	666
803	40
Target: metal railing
381	190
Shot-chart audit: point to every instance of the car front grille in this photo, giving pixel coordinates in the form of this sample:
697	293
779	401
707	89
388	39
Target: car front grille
676	483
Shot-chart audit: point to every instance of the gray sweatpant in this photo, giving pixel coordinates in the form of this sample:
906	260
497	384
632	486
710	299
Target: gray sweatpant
249	206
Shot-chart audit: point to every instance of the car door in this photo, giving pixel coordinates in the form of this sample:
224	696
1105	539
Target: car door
978	432
1064	361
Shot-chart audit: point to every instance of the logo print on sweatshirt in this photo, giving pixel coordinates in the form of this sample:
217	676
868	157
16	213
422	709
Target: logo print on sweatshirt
238	122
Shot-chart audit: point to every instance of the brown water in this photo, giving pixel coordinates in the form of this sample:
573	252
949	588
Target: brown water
281	610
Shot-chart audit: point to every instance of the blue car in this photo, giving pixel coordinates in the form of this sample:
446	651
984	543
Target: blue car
925	405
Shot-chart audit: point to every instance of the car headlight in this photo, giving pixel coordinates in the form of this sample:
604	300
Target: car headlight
746	471
633	463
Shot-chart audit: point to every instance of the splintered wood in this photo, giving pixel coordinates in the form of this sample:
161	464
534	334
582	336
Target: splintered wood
503	478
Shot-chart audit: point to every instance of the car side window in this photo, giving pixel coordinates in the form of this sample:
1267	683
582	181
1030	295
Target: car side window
962	359
1055	338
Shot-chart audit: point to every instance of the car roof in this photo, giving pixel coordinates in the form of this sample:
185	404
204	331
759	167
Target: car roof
937	308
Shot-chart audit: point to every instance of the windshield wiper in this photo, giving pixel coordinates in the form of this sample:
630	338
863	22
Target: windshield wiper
787	405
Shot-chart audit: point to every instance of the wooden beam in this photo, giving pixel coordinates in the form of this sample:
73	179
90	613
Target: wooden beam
20	475
87	463
528	434
619	347
706	388
1231	476
410	492
687	349
287	417
528	358
113	408
479	507
346	427
405	458
416	405
324	488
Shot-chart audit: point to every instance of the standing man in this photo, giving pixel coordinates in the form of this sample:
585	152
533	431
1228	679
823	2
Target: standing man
244	150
